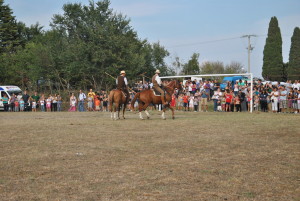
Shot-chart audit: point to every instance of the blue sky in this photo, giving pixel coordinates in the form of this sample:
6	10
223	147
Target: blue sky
186	27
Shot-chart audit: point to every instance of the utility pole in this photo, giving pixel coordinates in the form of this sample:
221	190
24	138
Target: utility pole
250	48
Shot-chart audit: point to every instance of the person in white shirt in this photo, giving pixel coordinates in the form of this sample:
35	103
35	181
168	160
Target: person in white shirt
81	99
157	84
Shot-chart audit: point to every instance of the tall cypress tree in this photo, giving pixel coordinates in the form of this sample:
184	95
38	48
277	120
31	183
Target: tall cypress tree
8	29
293	70
273	62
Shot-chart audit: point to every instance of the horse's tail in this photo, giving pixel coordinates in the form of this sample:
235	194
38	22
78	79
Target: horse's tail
137	95
111	100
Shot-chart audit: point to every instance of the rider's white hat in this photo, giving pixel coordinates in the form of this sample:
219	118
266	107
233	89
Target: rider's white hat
157	71
122	72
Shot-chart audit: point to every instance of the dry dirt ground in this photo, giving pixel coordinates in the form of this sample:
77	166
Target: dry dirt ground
198	156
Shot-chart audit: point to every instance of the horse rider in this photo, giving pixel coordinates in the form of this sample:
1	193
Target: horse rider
122	83
157	84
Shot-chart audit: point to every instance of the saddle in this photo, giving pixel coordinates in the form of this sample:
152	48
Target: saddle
124	94
157	93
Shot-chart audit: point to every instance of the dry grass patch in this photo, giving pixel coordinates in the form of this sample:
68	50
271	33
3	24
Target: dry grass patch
198	156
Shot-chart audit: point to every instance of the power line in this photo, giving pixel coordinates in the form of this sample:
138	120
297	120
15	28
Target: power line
203	42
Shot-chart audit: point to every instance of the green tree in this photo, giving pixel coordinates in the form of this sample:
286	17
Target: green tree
272	61
293	69
192	66
216	67
234	67
8	29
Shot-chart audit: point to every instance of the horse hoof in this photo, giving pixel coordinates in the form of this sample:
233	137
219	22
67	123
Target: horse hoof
148	117
173	117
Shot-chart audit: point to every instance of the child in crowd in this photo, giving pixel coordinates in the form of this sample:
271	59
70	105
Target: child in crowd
256	102
191	102
16	106
22	105
90	103
33	106
228	98
42	103
48	104
223	103
97	104
196	104
219	106
237	103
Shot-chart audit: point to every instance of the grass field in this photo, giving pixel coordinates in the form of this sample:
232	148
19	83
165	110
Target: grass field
197	156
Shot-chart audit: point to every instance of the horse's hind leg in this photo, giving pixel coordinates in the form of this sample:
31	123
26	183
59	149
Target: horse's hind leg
141	109
124	108
117	113
145	108
110	108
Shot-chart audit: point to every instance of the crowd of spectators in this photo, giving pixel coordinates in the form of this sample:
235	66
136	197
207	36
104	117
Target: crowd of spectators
196	95
267	96
93	101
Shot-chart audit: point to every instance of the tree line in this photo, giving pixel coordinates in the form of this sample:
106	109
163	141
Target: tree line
83	44
273	66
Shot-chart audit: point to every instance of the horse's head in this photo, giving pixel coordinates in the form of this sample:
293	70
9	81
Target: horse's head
178	85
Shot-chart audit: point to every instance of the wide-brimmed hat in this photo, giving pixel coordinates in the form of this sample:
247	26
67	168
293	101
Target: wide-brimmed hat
122	72
157	71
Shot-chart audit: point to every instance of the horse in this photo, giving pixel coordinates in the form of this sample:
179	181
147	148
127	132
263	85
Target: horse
117	99
147	96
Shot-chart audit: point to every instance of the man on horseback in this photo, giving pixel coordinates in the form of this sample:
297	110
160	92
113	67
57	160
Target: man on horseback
157	86
122	84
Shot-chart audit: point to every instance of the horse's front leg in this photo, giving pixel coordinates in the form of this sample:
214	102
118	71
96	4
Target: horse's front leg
173	113
163	114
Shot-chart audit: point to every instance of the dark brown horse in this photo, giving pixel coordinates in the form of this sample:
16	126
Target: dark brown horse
116	100
147	96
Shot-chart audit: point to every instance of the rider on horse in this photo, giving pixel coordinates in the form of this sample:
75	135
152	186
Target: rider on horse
157	86
122	83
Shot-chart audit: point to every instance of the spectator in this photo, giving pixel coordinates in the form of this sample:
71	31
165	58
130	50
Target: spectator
22	105
25	98
54	103
81	99
5	102
185	101
274	100
16	109
12	102
204	96
264	101
59	103
228	98
36	98
48	104
90	103
173	101
216	96
73	102
237	103
283	99
42	103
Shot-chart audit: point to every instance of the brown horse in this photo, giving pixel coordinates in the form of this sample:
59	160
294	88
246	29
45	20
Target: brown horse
116	100
147	96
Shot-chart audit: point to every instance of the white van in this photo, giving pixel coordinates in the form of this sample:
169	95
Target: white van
8	90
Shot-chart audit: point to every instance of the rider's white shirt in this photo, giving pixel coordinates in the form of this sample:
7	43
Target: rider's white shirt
158	80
